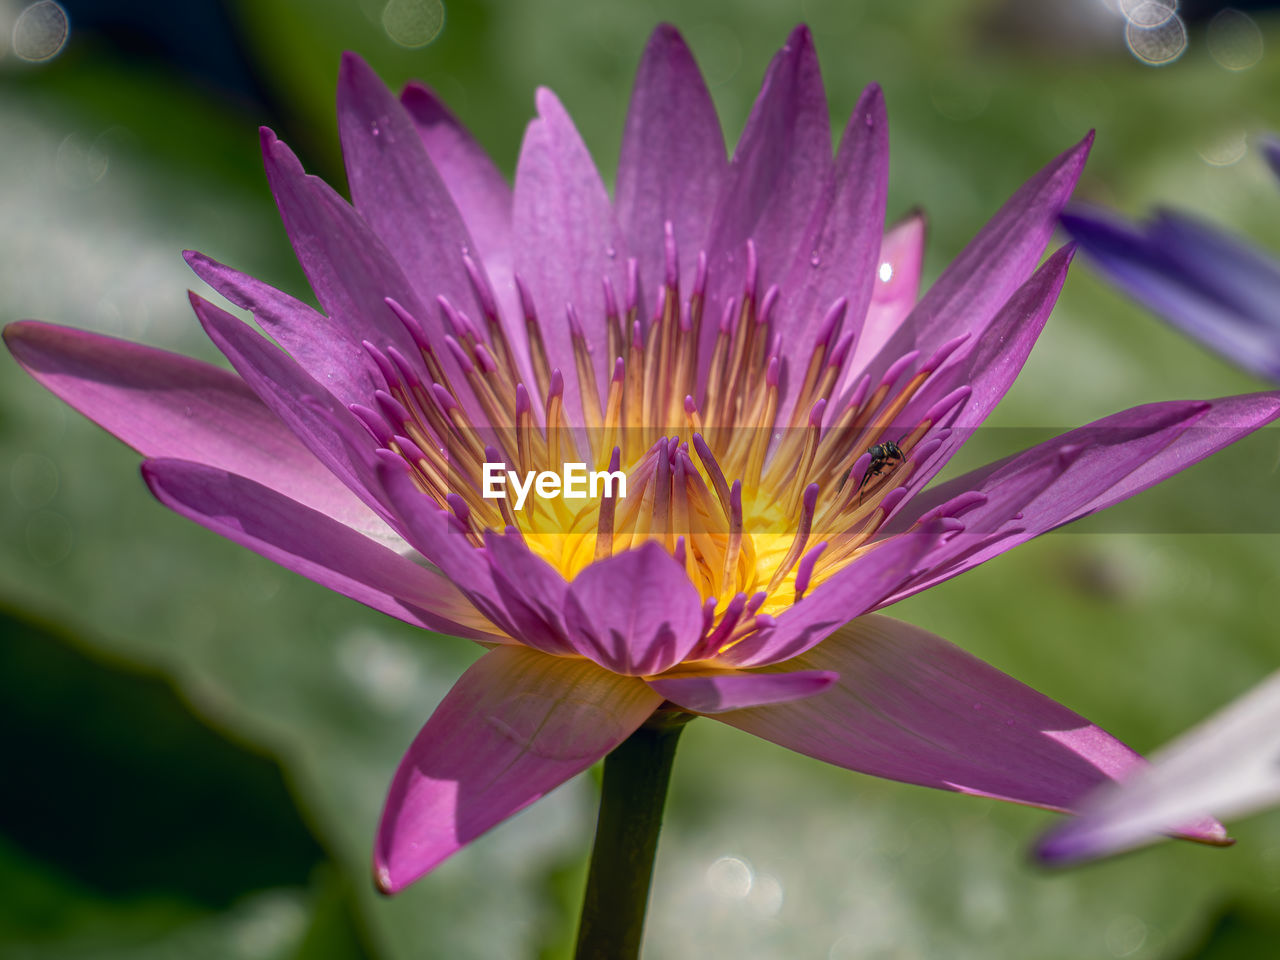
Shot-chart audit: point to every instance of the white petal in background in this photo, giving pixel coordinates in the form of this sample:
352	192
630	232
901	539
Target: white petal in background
1227	766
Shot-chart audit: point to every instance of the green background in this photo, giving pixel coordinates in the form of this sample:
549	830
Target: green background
196	743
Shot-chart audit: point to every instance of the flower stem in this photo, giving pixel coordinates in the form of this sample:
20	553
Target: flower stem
636	775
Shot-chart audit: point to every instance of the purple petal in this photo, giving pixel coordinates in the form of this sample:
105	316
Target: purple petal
349	267
861	586
429	530
1214	287
396	188
327	349
312	544
1271	153
990	364
909	706
780	170
1106	461
1226	765
840	251
720	692
566	240
515	726
782	164
1227	420
969	293
635	613
894	295
533	592
166	405
317	418
672	163
479	191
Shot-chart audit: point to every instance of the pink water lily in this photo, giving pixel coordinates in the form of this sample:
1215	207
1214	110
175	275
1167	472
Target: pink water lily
741	338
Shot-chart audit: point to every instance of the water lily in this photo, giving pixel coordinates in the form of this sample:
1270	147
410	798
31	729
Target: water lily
1227	765
1214	286
742	339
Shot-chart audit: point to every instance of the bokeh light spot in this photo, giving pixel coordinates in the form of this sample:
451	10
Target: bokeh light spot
413	23
1148	14
1225	150
40	32
730	878
1155	45
1234	40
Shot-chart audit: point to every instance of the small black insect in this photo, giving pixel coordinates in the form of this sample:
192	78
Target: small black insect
884	456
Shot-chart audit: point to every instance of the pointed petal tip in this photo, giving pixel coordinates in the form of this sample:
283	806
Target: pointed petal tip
666	33
355	72
382	880
18	330
1078	841
801	36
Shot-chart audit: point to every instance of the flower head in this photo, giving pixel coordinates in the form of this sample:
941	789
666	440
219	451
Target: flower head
741	339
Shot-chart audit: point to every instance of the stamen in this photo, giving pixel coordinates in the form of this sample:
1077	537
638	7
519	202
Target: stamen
588	391
804	570
537	349
804	528
608	504
734	549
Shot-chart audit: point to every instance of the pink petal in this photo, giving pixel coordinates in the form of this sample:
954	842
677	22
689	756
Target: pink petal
479	191
672	163
314	545
894	295
720	692
566	240
166	405
995	263
635	613
515	726
909	706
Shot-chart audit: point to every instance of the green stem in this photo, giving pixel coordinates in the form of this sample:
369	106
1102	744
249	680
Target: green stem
636	775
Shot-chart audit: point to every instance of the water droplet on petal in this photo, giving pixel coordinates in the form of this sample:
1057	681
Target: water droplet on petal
870	120
611	253
815	258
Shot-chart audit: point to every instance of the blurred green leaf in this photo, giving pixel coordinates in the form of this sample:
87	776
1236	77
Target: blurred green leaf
129	792
130	829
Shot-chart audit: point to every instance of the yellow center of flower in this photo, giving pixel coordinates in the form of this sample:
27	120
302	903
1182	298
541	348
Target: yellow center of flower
759	503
